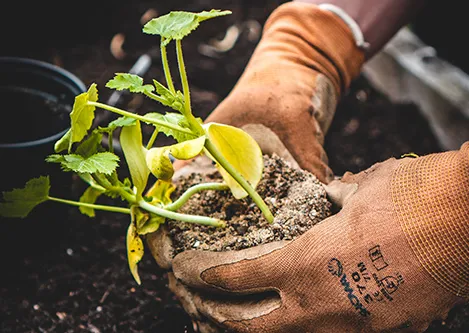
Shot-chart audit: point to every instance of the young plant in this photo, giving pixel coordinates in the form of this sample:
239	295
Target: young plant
236	154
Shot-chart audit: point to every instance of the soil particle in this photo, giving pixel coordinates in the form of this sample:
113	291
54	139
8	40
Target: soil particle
295	197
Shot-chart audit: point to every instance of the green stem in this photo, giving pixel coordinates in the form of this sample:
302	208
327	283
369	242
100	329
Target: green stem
139	117
93	206
193	190
212	149
209	221
167	72
185	88
109	141
152	138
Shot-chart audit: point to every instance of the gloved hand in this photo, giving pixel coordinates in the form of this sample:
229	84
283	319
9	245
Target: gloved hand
394	258
304	61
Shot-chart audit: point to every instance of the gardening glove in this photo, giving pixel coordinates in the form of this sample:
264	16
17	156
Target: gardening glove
303	63
394	258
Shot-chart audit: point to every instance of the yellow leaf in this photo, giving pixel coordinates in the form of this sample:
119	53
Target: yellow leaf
241	151
159	163
187	149
161	192
134	152
134	250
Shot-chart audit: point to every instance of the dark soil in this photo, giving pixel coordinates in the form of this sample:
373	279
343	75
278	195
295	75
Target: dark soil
295	197
68	273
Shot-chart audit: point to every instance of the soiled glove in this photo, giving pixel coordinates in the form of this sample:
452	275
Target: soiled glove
304	61
394	258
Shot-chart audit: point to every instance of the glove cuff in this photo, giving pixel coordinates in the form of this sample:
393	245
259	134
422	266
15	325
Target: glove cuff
431	197
322	40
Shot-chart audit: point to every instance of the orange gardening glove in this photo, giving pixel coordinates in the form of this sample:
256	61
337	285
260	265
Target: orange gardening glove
394	258
305	60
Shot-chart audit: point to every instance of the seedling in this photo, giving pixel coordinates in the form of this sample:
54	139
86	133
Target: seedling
236	154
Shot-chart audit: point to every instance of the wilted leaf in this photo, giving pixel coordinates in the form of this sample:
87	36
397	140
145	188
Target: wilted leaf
20	202
187	149
131	82
159	163
178	24
161	192
90	196
64	142
134	250
241	151
82	115
134	152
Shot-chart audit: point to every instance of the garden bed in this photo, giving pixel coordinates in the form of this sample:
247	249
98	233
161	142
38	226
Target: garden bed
73	276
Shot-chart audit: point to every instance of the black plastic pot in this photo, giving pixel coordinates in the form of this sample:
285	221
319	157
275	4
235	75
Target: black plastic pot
36	101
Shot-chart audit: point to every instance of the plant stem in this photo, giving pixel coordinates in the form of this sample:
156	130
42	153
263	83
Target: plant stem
167	72
139	117
193	190
212	149
185	88
204	220
109	142
94	206
152	138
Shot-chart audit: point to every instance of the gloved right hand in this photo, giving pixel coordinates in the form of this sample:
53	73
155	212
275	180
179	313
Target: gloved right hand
305	60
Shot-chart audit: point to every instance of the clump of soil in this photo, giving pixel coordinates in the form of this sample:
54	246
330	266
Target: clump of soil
295	197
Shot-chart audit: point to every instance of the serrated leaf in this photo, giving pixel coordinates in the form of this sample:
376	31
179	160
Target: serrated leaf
161	192
187	149
174	101
90	196
20	202
122	122
241	151
159	163
104	162
82	115
131	82
134	152
135	250
178	24
172	118
64	142
90	145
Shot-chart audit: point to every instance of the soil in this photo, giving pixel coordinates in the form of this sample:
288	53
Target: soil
295	197
67	272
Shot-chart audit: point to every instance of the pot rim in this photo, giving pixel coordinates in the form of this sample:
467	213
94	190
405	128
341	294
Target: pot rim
53	70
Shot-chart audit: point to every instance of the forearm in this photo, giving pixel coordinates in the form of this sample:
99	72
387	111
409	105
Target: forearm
378	20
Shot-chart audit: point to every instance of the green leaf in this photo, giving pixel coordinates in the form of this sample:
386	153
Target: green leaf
178	24
64	142
134	152
90	196
161	192
134	249
241	151
131	82
20	202
174	101
82	115
172	118
122	122
105	162
91	145
188	149
159	163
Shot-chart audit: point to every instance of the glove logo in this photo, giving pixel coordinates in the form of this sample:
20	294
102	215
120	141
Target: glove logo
336	269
